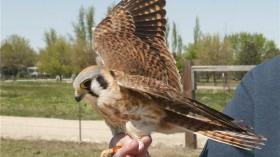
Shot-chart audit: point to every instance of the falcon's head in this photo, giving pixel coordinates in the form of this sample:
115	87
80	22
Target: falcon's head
85	83
92	82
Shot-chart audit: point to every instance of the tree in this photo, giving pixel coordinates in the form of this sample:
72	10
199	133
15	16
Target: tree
90	23
251	48
50	37
180	45
83	54
80	28
110	8
167	33
55	59
179	55
212	50
196	31
271	53
16	53
177	42
190	51
174	38
177	46
249	54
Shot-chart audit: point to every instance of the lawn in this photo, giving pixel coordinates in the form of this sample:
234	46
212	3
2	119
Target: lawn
25	148
56	100
214	99
37	99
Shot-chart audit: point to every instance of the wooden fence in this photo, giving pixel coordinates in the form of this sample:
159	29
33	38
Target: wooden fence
189	86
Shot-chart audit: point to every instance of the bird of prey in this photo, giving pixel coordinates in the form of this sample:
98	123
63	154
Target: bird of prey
137	88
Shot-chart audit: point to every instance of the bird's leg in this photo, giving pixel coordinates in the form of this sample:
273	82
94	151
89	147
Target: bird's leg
117	133
110	152
107	153
136	130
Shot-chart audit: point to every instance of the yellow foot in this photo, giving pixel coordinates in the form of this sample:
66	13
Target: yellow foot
107	153
110	152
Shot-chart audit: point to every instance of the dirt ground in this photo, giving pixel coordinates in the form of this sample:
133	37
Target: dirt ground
68	130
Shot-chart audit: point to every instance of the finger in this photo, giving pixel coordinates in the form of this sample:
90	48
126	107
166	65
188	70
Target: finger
146	140
128	149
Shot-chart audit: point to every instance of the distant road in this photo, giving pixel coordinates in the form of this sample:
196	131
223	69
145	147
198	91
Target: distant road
70	81
68	130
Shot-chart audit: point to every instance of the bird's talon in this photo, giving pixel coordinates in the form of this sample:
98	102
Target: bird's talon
115	149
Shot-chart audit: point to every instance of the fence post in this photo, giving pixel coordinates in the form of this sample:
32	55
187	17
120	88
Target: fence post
80	122
190	138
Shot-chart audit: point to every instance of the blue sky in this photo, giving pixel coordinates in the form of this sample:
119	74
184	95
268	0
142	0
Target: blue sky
31	18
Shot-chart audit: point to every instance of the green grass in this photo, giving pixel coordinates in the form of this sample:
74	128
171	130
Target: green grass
56	100
214	99
41	148
35	99
219	82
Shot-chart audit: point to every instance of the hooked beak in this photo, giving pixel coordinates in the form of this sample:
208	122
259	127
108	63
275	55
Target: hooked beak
79	95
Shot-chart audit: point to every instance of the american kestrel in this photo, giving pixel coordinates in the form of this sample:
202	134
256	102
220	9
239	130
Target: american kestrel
138	91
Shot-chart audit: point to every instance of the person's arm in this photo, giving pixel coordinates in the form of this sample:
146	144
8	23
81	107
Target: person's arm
256	102
241	107
131	147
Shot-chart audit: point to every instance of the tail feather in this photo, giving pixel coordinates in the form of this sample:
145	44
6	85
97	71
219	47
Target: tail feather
236	139
204	107
216	131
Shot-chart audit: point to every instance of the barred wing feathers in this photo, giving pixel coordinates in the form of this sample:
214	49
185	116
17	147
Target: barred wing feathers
132	39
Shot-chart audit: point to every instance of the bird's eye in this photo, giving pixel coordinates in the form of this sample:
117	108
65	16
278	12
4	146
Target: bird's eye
86	84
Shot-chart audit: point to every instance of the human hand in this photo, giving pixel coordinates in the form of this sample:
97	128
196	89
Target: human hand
130	147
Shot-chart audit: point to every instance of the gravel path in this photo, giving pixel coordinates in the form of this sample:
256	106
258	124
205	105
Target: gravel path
68	130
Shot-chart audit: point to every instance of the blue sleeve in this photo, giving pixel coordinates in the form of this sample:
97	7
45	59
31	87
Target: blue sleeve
237	108
257	102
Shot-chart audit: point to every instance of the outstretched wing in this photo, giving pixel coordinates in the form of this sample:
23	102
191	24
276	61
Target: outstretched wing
132	39
214	124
